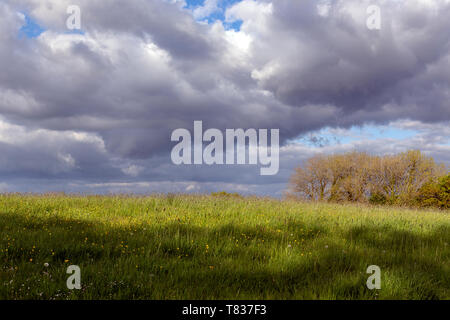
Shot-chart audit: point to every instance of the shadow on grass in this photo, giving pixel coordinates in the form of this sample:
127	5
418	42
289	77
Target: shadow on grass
175	263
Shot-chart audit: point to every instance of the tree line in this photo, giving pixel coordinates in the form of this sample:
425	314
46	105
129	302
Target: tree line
408	178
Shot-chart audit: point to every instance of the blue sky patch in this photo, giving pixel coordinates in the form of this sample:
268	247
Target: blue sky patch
235	25
331	136
75	32
31	29
218	15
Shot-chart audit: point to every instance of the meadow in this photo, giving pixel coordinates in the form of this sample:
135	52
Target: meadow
218	247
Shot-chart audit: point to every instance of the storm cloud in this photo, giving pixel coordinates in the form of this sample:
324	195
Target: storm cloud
93	111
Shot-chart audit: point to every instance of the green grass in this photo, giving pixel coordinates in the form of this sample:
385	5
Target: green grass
201	247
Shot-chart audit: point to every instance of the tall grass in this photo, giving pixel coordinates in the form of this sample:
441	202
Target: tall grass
202	247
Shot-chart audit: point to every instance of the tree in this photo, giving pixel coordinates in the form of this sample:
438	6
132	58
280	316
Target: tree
311	181
360	177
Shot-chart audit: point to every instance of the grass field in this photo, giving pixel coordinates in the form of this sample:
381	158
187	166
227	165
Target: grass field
203	247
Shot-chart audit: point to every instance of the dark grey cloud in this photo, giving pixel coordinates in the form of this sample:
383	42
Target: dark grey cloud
309	59
145	68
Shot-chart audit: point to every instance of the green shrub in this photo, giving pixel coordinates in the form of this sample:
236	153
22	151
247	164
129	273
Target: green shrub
226	194
435	194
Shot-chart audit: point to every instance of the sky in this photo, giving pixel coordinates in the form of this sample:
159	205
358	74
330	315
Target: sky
92	110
